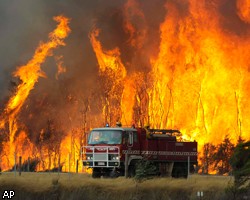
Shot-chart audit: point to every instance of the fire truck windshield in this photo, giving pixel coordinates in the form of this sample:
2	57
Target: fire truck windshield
105	137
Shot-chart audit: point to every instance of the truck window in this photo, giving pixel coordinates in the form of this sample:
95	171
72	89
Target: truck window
125	139
135	137
105	137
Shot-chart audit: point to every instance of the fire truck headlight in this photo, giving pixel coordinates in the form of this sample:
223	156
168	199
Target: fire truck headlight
89	157
115	158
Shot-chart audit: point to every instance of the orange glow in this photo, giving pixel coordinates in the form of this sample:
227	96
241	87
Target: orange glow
196	77
29	74
199	80
113	72
128	98
201	77
243	7
60	68
107	59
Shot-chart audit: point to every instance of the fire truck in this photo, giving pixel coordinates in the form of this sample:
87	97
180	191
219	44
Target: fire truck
116	151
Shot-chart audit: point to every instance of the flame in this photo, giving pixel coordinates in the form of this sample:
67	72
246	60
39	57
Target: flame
198	85
113	72
28	75
199	78
196	80
60	68
128	97
107	59
244	10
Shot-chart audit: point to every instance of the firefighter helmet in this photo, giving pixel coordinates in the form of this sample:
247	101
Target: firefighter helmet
118	124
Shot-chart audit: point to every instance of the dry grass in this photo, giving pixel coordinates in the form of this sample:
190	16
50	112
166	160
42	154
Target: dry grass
82	186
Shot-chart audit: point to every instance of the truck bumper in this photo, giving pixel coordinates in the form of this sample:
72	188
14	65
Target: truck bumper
100	164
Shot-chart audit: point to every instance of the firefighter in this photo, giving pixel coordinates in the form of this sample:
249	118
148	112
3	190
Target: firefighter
115	138
118	124
148	134
96	137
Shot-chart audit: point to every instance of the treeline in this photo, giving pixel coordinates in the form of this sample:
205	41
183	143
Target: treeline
229	159
240	163
217	159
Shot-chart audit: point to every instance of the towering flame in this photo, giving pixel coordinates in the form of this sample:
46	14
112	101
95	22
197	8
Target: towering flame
107	59
113	72
199	78
28	75
186	68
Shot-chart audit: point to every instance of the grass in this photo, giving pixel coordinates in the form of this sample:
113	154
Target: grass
82	186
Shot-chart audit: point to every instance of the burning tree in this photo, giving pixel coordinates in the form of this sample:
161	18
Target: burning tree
222	156
141	115
112	73
28	75
207	158
182	65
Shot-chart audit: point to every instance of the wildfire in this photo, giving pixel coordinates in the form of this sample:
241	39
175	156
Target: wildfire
107	59
28	75
198	79
113	72
244	10
60	68
188	72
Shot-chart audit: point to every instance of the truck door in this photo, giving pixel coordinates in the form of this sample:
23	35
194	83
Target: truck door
133	142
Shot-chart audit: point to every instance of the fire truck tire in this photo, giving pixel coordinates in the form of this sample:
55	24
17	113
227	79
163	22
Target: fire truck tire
113	174
131	171
96	173
180	170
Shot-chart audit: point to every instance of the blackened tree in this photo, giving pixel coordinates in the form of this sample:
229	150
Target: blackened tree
222	156
207	157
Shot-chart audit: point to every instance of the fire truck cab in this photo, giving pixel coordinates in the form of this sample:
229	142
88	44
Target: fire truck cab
112	150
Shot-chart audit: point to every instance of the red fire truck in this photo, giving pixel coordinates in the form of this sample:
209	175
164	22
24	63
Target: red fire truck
116	151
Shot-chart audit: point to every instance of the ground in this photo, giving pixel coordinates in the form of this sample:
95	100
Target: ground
76	186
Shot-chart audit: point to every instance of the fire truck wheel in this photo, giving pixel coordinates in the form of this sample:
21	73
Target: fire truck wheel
179	170
113	174
96	173
131	171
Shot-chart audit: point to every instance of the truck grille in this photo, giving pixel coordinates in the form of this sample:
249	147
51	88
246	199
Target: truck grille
101	156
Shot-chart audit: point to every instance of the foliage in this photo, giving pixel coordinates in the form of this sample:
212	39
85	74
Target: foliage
240	162
144	170
234	192
207	157
222	156
216	158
